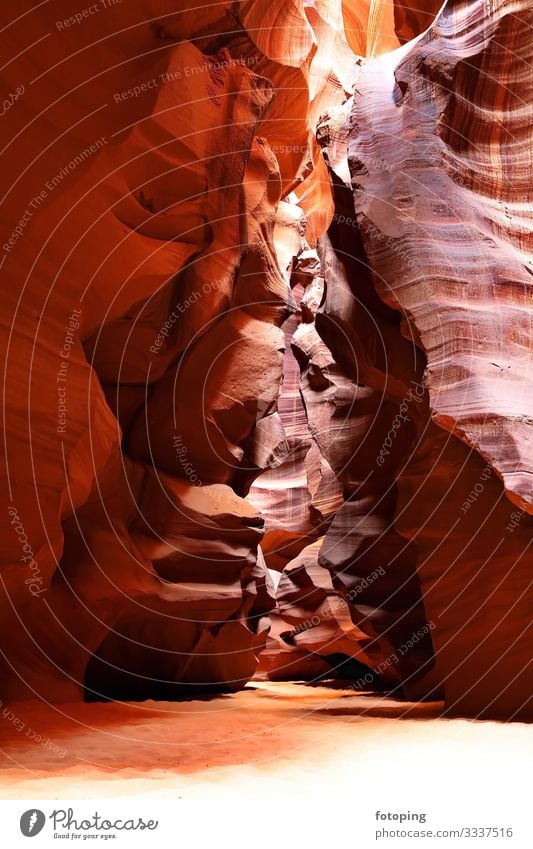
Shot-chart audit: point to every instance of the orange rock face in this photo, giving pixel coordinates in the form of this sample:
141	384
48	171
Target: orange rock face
139	255
266	335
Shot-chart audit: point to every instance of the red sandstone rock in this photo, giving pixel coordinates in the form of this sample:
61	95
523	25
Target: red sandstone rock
148	169
446	221
178	357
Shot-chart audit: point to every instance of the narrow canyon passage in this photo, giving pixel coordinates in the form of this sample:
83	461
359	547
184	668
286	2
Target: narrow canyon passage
266	405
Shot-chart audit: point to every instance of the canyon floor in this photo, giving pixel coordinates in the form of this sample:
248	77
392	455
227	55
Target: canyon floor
272	740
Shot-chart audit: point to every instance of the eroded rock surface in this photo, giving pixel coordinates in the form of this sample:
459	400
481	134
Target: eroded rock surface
446	222
266	331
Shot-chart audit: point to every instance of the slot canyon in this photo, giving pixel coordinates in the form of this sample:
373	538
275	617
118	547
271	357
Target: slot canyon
267	468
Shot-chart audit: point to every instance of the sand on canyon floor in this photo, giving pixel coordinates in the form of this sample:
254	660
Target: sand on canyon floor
272	740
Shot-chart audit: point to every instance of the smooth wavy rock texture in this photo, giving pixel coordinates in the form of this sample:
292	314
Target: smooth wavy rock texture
446	222
267	349
143	222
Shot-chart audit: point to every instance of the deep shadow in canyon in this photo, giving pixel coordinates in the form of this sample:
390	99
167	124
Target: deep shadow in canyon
267	367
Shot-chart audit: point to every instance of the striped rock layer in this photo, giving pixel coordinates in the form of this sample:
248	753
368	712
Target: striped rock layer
440	158
266	343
